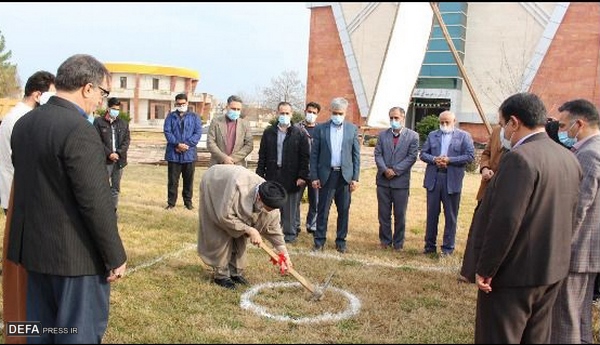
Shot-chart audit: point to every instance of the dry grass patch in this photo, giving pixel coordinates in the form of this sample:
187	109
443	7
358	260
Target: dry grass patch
168	296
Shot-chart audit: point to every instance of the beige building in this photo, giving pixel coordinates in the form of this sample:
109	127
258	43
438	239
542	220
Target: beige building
148	92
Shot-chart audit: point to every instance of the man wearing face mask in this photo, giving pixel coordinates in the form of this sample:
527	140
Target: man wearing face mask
572	312
183	130
229	138
523	228
334	171
114	133
395	154
283	157
38	89
446	151
308	127
237	205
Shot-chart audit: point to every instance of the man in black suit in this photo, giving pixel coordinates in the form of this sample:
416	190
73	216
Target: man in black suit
522	229
63	229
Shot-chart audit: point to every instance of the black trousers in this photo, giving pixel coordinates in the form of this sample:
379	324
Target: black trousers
185	170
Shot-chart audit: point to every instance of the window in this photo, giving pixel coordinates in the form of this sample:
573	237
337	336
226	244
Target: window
441	58
123	81
439	71
442	45
160	112
439	83
155	83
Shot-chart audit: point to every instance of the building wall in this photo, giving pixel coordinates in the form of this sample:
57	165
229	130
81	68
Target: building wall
369	45
140	98
504	42
571	68
328	75
500	42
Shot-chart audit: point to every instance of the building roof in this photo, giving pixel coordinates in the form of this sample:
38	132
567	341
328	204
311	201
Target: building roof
138	68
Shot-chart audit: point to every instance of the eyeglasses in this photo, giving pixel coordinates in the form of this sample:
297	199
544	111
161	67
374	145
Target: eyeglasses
104	92
336	113
180	104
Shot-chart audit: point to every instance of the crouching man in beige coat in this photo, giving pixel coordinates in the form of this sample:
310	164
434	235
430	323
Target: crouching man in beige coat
236	204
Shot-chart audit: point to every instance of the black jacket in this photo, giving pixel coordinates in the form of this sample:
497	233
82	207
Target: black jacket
63	221
294	159
122	138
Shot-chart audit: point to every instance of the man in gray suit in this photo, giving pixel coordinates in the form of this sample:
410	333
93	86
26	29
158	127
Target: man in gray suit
572	313
522	229
395	154
334	170
446	151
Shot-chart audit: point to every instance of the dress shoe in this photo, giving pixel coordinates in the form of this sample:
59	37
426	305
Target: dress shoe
429	251
291	241
341	249
169	207
225	282
317	248
189	206
383	246
240	280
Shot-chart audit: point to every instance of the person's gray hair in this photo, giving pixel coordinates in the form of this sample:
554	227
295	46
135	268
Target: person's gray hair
78	70
400	109
339	103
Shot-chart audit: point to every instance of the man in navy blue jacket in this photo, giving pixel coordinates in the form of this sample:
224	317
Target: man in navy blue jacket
183	130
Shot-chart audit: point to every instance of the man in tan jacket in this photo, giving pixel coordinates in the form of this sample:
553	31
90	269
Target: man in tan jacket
229	138
236	204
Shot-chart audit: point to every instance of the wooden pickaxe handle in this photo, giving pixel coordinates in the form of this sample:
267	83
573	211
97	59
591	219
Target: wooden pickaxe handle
291	270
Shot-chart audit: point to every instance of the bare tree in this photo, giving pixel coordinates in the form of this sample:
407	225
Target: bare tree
286	87
9	79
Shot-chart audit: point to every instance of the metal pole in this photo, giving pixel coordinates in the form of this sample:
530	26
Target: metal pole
461	67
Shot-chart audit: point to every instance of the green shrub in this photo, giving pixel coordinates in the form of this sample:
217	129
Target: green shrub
372	142
427	125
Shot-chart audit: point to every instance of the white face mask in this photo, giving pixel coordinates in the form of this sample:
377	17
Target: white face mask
337	119
44	97
285	120
505	142
311	118
182	108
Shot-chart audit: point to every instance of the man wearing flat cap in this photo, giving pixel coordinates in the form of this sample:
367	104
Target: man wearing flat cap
236	204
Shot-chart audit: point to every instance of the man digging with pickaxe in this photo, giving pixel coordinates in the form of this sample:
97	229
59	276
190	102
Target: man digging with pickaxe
236	205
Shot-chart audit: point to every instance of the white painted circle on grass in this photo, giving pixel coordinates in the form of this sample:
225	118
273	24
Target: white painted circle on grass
246	303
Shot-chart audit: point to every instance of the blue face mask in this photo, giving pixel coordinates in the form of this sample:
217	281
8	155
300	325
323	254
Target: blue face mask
233	114
285	120
337	119
566	140
395	124
113	113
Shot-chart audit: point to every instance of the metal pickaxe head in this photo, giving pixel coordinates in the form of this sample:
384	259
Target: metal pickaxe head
319	292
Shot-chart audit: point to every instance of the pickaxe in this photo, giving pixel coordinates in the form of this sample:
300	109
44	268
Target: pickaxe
317	293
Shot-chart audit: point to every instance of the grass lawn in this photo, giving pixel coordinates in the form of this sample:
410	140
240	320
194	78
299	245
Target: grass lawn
375	296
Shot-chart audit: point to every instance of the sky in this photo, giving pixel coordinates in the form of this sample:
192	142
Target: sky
237	48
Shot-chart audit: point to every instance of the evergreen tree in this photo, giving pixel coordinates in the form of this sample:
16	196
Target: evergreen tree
9	82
